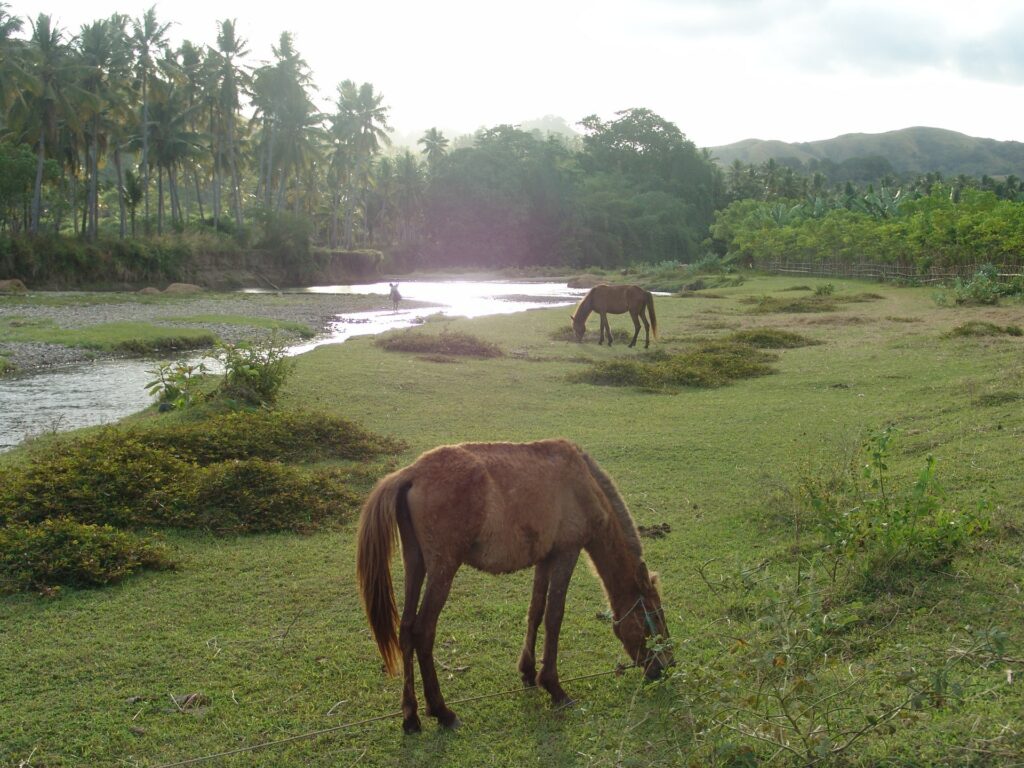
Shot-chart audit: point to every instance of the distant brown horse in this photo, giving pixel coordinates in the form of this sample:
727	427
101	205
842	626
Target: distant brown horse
616	299
501	507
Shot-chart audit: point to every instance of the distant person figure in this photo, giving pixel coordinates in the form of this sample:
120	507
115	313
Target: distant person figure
395	295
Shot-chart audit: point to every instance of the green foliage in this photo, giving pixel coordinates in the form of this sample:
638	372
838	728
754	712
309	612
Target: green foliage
176	384
931	231
772	338
254	372
6	367
105	478
827	289
447	342
287	237
711	364
61	512
983	328
801	304
62	552
886	535
271	435
255	495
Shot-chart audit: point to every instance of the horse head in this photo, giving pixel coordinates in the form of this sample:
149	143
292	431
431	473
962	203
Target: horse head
579	325
642	620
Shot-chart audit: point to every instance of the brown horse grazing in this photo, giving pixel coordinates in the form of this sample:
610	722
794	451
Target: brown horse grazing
501	507
616	299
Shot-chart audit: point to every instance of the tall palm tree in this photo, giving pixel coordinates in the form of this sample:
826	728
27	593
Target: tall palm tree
10	60
435	147
230	81
149	37
46	100
173	142
360	125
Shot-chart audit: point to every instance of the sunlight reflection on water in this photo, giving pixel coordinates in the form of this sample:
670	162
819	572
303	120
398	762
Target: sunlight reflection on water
98	393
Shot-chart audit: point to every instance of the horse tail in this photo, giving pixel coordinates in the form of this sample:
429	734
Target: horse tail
378	531
650	311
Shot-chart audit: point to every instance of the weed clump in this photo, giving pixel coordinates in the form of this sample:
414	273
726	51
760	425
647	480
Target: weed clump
711	364
226	474
269	435
982	328
453	343
770	338
803	304
43	556
255	496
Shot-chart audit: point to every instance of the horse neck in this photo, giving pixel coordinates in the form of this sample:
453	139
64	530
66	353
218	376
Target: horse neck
586	307
616	559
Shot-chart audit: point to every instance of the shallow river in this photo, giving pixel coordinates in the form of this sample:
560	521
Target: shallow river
97	393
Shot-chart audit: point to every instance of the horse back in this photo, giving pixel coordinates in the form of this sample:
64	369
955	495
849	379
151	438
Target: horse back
501	507
618	299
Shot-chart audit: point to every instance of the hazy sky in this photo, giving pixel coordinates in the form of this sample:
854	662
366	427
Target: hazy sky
721	70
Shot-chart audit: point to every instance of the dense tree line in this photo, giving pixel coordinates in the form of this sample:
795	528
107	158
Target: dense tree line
113	133
945	228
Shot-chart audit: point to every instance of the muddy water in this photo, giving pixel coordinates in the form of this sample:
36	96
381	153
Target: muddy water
103	392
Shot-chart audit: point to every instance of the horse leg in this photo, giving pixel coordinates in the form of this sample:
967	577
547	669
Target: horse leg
561	568
527	660
414	574
424	631
605	327
647	329
636	326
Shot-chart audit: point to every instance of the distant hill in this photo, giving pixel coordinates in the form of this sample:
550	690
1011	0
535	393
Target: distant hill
907	151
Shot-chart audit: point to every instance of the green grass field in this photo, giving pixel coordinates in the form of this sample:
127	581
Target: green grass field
268	629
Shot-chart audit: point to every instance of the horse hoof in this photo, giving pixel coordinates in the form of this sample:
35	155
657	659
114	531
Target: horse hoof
411	725
449	720
566	703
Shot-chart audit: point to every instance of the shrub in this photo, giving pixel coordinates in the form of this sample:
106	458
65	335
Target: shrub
770	338
826	289
445	343
254	495
176	384
982	328
253	372
62	552
103	478
711	364
887	535
270	435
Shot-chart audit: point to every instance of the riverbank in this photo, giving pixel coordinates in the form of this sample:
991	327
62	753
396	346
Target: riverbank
231	317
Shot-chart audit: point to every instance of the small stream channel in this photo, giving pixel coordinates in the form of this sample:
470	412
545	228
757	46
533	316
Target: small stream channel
84	395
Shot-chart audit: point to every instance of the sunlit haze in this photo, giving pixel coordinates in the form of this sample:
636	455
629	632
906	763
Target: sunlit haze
721	70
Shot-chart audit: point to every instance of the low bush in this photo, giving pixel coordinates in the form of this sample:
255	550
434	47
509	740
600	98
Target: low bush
882	535
982	328
711	364
770	338
445	343
62	552
254	372
104	478
254	495
270	435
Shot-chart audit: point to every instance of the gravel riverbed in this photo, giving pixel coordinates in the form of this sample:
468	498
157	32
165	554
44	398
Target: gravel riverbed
79	310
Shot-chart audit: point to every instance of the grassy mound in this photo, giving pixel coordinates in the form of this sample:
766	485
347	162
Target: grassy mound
982	328
64	552
225	474
771	338
451	343
711	364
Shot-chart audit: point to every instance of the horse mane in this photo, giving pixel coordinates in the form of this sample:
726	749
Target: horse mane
622	515
584	305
